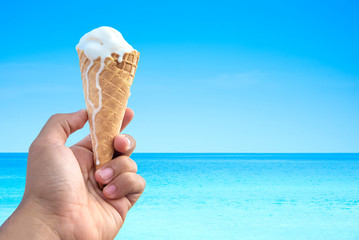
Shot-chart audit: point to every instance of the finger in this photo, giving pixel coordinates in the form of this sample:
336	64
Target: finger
127	183
59	127
127	118
86	141
114	168
124	144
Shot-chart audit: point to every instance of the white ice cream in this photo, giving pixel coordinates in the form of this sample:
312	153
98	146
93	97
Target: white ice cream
101	43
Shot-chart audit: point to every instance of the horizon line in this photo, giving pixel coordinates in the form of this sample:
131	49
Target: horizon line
224	152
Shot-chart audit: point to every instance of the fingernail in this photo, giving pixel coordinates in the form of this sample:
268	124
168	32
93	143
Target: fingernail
128	141
106	173
110	189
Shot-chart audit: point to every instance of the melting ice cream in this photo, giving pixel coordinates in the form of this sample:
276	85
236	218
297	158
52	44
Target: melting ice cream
100	43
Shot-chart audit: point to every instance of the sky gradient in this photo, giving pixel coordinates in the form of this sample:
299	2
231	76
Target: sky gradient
247	76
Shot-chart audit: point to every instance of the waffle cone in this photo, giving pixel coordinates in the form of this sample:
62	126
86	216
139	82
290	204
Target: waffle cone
106	109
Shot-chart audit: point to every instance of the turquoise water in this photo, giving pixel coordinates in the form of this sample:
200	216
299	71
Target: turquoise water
230	196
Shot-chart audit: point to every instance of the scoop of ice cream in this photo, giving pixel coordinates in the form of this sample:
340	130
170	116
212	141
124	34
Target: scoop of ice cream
102	42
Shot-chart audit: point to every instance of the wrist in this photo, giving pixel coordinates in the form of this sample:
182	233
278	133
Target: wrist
27	222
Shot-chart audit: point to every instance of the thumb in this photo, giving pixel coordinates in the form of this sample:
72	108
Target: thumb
59	127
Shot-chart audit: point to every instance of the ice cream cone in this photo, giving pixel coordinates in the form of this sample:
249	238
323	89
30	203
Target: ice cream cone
106	85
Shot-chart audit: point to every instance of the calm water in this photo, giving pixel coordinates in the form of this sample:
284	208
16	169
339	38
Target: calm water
230	196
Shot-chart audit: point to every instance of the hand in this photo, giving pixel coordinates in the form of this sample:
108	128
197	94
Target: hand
62	198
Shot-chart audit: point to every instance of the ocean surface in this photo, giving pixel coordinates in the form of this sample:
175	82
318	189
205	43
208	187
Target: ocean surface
230	196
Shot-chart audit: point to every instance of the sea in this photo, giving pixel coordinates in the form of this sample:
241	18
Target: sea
229	196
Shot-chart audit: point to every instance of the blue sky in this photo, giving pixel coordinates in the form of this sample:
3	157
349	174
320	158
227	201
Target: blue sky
228	76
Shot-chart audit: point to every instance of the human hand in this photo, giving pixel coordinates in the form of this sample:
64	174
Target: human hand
62	198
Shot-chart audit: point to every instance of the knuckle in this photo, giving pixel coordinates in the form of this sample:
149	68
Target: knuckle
130	179
33	146
56	116
123	158
126	164
38	145
132	165
143	182
60	116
